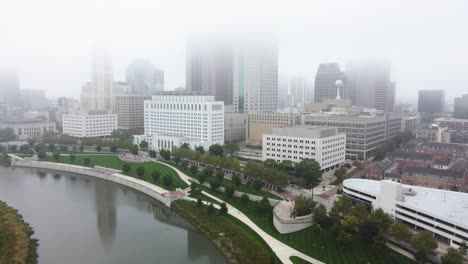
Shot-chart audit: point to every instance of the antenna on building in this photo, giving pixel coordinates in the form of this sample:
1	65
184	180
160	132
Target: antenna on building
338	85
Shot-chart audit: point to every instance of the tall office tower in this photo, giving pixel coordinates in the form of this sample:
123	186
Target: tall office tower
461	107
431	101
144	77
297	92
327	75
34	98
369	85
256	77
102	81
209	68
9	87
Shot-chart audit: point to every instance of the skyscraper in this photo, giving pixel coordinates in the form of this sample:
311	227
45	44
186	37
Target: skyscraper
461	107
297	92
9	87
327	75
144	77
209	68
431	101
369	85
102	81
256	77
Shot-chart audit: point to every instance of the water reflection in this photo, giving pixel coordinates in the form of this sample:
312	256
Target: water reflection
106	213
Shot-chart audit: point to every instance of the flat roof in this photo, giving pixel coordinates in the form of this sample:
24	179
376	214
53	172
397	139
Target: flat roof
446	205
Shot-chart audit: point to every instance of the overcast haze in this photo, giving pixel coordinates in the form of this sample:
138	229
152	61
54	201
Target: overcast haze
50	42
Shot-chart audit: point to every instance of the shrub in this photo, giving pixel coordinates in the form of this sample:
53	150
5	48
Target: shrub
220	175
257	184
177	159
56	156
199	202
167	180
81	148
63	148
184	164
155	175
214	184
211	209
113	149
126	167
87	161
140	171
72	157
229	191
202	178
223	209
41	155
193	169
245	199
236	180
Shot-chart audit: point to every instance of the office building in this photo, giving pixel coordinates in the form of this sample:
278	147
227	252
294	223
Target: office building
409	123
364	132
255	77
66	102
324	144
9	88
234	125
27	128
325	82
209	68
433	133
173	118
81	124
144	78
129	109
431	101
297	92
452	123
460	109
441	212
263	123
369	84
34	98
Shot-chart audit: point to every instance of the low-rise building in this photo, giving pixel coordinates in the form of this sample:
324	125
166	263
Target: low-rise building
80	123
452	123
26	128
234	124
324	144
436	178
409	123
440	150
263	123
441	212
434	133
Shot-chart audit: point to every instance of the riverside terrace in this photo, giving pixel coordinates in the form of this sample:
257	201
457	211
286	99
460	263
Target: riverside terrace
445	213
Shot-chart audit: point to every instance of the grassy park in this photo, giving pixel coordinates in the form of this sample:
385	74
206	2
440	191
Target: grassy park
113	162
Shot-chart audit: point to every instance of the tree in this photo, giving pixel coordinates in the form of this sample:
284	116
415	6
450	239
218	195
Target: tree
167	180
200	149
264	205
56	155
207	171
452	257
382	219
113	148
42	155
368	230
360	212
184	164
343	238
220	175
400	232
185	145
425	245
193	169
229	191
176	159
140	171
72	157
340	174
341	207
214	184
286	165
98	148
223	209
244	199
165	154
463	247
143	144
211	209
202	178
199	202
134	149
216	150
270	163
63	148
81	148
320	215
303	206
231	148
236	180
126	167
7	134
87	161
257	184
25	147
349	223
51	147
39	147
309	170
155	175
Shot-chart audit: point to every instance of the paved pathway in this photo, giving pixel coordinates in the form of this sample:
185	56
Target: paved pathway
283	251
182	175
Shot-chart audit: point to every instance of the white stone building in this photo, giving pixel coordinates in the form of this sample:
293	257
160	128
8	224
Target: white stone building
89	123
172	119
444	213
26	128
323	144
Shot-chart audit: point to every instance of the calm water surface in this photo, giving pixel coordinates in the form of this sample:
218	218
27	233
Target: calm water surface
80	219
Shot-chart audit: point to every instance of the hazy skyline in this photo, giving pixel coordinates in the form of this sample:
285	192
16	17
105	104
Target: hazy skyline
50	42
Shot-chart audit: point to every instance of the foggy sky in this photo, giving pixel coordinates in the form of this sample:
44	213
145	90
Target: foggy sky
50	42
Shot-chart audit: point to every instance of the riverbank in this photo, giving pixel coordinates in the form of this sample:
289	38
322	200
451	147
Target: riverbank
16	242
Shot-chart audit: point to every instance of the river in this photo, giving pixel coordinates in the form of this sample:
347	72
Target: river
83	220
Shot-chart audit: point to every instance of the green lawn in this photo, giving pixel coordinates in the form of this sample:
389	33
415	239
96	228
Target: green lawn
314	241
226	182
298	260
113	162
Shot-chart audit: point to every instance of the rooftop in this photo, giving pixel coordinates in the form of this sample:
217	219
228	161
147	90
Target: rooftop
435	172
305	131
446	205
411	156
450	119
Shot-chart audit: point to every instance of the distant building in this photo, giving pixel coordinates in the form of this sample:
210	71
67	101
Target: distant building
172	119
83	124
298	92
130	113
364	132
433	133
263	123
234	125
441	212
461	107
9	88
323	144
431	101
66	102
325	82
409	123
144	77
369	85
34	98
27	128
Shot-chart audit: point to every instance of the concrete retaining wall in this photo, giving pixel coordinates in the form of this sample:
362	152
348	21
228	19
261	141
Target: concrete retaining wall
154	191
285	226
